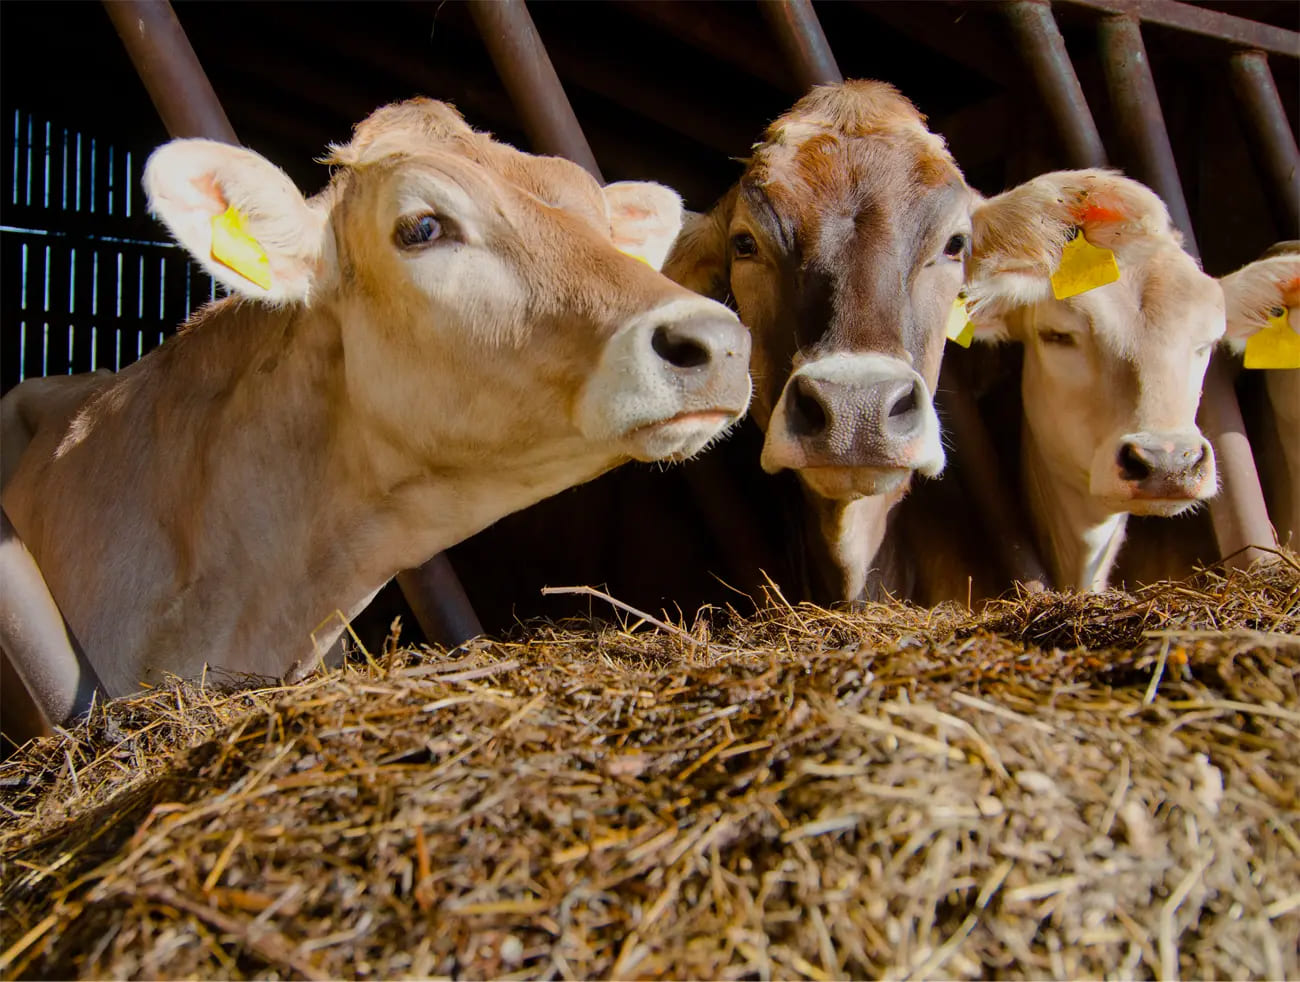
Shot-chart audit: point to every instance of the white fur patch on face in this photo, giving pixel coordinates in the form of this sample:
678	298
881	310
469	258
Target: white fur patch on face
637	397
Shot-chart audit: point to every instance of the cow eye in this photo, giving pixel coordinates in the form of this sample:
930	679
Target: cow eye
417	230
743	246
1063	338
955	246
1276	312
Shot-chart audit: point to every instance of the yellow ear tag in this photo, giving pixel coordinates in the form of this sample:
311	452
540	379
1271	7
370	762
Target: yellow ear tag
959	328
1274	346
636	255
232	246
1084	267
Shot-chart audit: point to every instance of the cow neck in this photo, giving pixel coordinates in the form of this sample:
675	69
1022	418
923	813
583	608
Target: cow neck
1079	537
852	532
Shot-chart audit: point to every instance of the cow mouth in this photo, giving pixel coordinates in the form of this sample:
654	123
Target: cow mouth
682	436
850	483
719	417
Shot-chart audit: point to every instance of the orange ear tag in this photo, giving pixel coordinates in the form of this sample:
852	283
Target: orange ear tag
959	328
1274	346
1083	267
233	247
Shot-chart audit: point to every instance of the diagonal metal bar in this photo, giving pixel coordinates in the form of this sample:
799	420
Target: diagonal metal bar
800	34
1238	512
525	68
1269	133
180	90
1040	43
1238	31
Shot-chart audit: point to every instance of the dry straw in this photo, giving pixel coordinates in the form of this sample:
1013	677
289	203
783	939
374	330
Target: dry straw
1059	786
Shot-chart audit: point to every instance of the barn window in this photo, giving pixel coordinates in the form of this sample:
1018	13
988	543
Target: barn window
90	280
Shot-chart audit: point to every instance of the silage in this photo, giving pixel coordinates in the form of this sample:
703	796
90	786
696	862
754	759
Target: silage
1057	786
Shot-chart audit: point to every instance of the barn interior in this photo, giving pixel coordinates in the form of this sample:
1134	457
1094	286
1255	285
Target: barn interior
672	92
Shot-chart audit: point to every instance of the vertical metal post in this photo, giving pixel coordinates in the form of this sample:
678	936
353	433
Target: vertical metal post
38	646
1269	133
1238	512
185	100
804	42
526	71
1043	48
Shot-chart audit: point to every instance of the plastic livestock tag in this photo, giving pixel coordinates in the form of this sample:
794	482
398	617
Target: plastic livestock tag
635	255
232	246
1084	267
959	329
1274	346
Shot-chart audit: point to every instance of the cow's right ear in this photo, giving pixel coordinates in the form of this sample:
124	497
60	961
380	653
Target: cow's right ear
239	215
1262	290
698	260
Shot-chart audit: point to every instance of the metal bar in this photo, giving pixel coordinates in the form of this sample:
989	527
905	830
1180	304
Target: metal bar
802	41
1269	132
1239	514
1043	48
39	646
439	602
795	24
1207	23
526	71
1139	119
169	69
189	107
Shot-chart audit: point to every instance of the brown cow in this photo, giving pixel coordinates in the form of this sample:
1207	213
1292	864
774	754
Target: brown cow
445	334
841	247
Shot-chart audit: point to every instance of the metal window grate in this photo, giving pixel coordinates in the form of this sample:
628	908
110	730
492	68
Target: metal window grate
87	279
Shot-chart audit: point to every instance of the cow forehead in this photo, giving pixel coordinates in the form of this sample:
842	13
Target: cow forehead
426	129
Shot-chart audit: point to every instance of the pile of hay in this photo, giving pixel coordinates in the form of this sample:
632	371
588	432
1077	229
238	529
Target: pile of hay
1056	786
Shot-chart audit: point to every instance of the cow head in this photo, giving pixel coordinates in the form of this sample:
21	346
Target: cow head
842	250
1112	375
489	313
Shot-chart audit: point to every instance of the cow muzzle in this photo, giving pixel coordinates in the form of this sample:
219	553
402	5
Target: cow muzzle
854	425
1156	473
670	381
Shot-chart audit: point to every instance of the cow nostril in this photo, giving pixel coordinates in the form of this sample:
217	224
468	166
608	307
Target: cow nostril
1133	465
904	404
679	349
806	415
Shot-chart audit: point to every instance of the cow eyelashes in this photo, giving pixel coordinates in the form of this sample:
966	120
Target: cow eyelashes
743	246
1063	338
955	246
413	231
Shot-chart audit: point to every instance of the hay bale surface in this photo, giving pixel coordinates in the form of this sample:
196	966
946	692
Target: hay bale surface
1056	786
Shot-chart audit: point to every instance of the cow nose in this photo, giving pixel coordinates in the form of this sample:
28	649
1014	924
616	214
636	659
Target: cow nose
849	421
904	414
1164	467
808	414
693	344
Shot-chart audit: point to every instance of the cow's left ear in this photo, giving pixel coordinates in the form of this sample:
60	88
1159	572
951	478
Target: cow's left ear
239	215
644	219
1264	291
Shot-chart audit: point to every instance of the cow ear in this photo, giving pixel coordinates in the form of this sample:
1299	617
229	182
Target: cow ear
239	215
1265	290
698	260
644	219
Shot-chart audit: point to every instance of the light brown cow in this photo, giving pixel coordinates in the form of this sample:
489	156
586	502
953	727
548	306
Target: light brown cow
842	249
1265	296
1112	376
449	334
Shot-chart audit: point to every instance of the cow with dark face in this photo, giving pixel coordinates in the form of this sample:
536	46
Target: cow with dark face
842	249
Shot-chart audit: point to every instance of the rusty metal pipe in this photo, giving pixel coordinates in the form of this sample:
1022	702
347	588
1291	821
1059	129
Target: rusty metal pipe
1201	21
1043	48
189	107
1269	133
1139	119
802	41
169	69
38	645
439	602
1239	514
526	71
